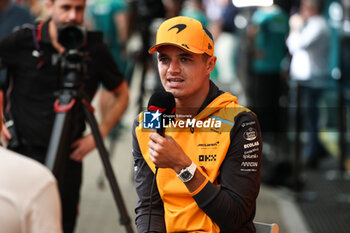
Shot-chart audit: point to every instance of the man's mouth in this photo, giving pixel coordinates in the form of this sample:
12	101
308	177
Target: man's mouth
175	80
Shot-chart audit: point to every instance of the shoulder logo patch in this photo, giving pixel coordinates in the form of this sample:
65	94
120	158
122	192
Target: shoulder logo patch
250	134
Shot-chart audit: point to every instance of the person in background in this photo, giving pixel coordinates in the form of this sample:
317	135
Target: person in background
13	15
220	19
111	18
208	178
195	9
36	7
267	81
309	45
29	198
34	78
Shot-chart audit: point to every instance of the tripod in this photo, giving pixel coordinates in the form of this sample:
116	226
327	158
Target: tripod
70	99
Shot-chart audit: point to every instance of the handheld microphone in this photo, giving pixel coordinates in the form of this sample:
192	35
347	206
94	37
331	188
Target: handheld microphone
164	102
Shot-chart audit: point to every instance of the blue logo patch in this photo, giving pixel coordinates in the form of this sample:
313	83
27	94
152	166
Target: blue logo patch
152	120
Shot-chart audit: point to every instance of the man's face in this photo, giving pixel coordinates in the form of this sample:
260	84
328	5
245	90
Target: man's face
184	74
307	9
66	12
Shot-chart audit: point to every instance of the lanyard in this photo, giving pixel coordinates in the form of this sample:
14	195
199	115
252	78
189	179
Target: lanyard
37	38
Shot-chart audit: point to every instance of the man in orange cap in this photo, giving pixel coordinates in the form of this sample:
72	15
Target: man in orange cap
210	157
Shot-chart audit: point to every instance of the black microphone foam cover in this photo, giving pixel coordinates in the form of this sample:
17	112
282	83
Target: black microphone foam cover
164	102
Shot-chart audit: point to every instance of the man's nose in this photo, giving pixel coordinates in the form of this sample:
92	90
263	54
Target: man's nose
174	67
72	15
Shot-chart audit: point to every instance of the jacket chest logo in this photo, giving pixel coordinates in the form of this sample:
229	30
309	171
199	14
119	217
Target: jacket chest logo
207	158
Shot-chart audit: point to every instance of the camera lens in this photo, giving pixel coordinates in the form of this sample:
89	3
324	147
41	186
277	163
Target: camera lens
71	37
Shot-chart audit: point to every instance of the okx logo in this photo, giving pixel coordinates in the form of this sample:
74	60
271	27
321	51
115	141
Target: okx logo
152	120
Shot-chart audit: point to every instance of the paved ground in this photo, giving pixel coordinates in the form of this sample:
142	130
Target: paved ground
98	211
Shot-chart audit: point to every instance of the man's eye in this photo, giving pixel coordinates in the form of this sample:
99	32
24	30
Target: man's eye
185	59
79	9
163	59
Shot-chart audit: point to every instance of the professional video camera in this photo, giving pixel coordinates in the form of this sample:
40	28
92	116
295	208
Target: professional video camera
73	60
70	90
71	103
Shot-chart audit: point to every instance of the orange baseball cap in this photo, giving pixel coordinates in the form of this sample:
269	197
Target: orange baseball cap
186	33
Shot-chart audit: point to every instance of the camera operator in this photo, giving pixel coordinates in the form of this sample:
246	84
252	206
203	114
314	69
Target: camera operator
29	55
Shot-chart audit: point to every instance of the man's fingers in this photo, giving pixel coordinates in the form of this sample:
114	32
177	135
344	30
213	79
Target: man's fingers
82	147
77	152
77	155
6	132
75	144
155	137
153	145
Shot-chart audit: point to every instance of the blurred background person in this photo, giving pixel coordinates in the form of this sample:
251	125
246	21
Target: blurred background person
36	8
221	15
196	10
266	82
29	199
309	45
111	18
172	8
13	15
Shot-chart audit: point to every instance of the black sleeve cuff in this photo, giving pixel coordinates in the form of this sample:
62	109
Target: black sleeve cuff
157	224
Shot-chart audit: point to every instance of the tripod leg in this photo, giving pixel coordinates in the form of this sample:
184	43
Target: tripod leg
58	150
100	178
56	140
124	217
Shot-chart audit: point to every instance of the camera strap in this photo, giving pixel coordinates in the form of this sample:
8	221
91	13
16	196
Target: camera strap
37	38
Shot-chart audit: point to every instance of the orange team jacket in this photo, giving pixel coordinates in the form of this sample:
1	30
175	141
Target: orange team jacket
181	212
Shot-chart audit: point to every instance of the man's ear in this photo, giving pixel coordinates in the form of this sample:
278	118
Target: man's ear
49	6
211	64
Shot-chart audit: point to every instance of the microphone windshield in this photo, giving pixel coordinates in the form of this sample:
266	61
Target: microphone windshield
163	101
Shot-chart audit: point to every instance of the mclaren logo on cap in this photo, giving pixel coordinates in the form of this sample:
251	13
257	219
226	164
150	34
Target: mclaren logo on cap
180	27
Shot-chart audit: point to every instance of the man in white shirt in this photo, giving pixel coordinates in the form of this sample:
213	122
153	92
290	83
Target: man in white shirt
29	199
309	45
